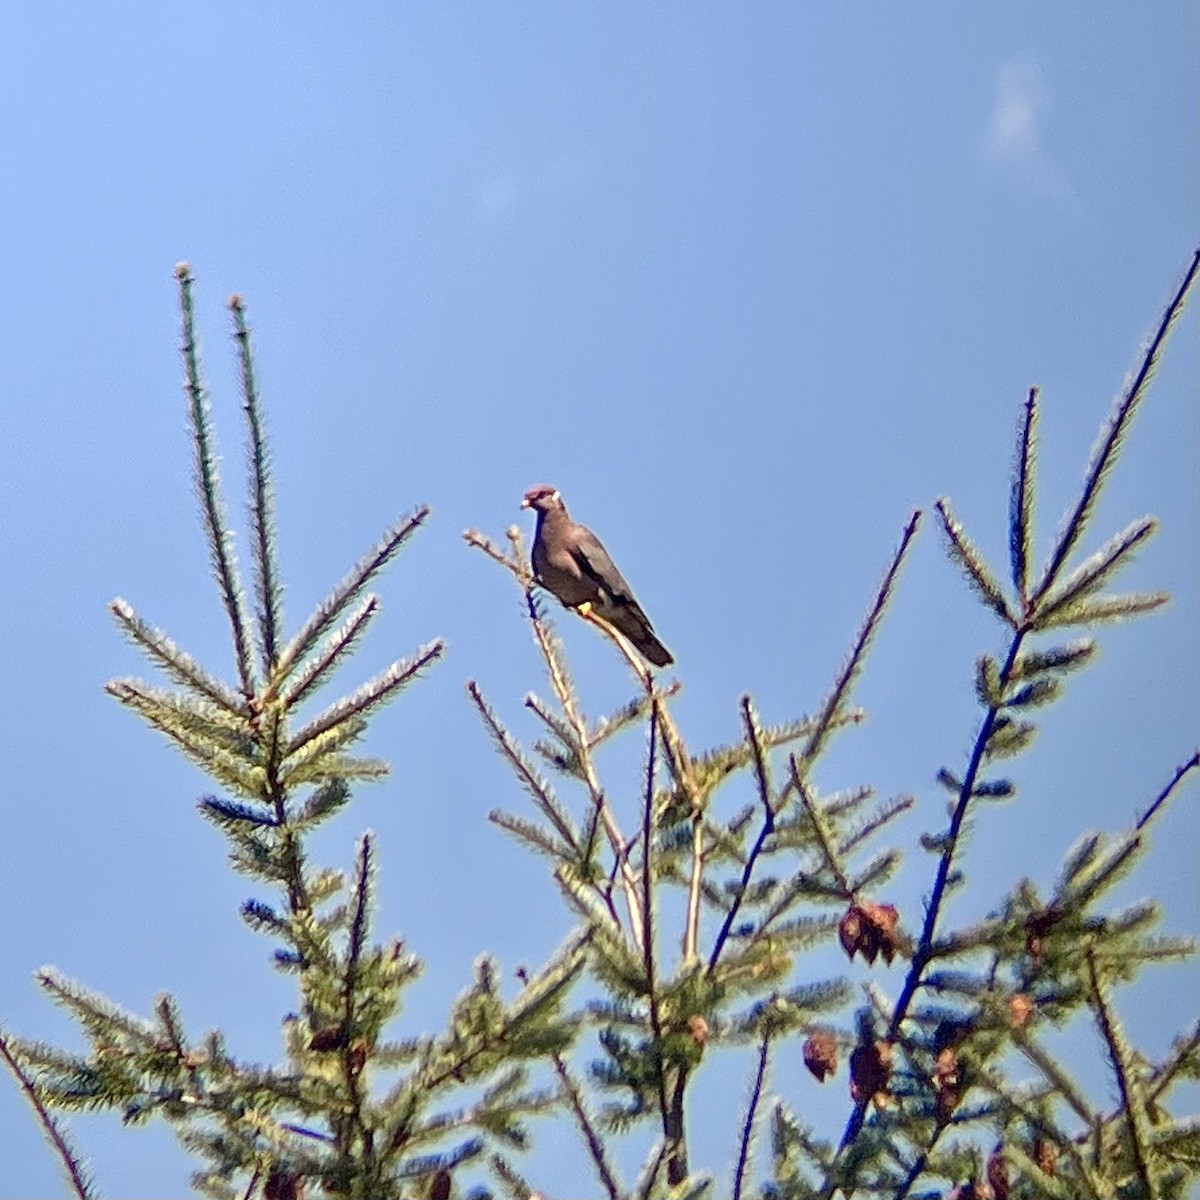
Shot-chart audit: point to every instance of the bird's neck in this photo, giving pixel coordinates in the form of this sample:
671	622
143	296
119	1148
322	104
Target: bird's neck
554	518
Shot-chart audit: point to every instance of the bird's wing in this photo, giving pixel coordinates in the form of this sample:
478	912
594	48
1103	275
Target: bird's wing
623	611
594	561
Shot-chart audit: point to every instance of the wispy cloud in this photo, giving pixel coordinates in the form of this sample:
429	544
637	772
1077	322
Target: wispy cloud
498	195
1012	142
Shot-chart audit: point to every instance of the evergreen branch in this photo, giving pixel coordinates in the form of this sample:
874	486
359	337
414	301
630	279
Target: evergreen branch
1081	857
627	714
1058	660
560	729
172	1024
1020	524
1035	1117
797	931
764	832
326	800
474	538
515	1184
1102	610
208	485
368	697
539	790
1112	435
1094	572
783	1013
1132	1100
1166	1074
883	815
966	554
73	1168
564	689
644	1188
876	872
680	763
706	772
234	770
1102	871
647	939
832	707
739	1173
198	719
587	1129
325	766
691	929
346	592
313	760
228	814
93	1011
161	650
761	775
824	835
352	1068
1056	1076
754	738
590	898
534	836
1180	773
995	732
920	959
339	646
262	501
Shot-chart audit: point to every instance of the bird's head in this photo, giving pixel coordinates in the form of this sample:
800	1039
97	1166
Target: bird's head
543	498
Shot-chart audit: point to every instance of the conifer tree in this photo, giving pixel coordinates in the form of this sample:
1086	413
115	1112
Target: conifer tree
696	913
351	1111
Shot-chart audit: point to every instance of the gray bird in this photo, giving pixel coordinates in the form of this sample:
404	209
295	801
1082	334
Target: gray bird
570	562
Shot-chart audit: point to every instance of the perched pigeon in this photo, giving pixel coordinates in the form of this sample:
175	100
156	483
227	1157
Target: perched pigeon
569	561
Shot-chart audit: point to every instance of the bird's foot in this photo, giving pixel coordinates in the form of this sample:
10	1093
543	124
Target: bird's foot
585	610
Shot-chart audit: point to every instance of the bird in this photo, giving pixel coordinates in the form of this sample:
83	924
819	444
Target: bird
571	563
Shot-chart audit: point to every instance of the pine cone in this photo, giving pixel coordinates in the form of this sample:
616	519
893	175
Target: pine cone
870	1069
947	1084
820	1054
997	1172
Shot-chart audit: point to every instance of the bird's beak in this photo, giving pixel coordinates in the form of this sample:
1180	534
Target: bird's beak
525	503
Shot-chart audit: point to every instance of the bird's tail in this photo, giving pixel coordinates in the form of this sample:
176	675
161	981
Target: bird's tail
652	650
635	625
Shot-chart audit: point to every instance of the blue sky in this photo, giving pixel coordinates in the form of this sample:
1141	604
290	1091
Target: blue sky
747	283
